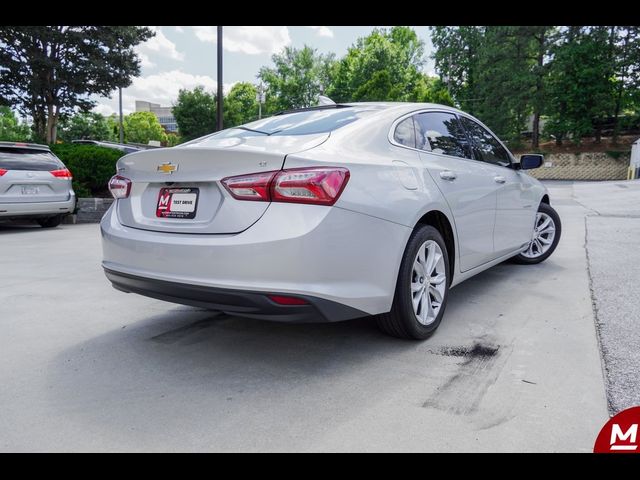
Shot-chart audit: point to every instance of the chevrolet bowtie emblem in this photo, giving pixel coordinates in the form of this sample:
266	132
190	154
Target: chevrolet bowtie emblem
167	168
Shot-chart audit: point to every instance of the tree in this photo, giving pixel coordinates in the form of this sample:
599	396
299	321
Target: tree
385	65
240	104
298	77
432	90
195	113
90	126
581	90
48	72
625	49
11	129
141	127
456	61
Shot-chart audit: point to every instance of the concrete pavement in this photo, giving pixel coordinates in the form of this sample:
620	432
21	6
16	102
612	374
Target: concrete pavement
613	234
514	366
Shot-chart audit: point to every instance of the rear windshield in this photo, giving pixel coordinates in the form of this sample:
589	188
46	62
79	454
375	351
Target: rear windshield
301	123
28	159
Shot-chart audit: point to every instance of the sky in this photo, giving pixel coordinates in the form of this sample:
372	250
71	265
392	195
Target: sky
185	57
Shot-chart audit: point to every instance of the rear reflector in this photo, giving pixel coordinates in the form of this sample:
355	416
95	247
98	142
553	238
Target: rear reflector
3	171
120	187
62	173
284	300
315	185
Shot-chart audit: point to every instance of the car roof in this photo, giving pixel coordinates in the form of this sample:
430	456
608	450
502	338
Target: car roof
408	106
22	145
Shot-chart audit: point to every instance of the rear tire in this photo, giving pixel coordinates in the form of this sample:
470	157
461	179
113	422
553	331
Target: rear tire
424	283
50	222
551	234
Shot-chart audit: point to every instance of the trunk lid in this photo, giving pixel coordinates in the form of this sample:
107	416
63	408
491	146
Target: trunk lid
191	173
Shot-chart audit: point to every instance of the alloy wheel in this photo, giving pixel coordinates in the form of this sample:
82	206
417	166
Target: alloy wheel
428	282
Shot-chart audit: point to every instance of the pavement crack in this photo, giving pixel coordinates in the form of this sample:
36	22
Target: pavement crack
594	307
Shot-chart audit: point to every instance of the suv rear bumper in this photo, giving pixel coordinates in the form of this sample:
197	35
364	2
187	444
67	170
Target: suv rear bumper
233	302
8	210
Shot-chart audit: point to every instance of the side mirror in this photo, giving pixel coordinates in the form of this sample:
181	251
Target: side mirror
531	160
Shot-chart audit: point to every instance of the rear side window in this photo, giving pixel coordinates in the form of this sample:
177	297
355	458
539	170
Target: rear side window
485	146
405	133
28	159
441	133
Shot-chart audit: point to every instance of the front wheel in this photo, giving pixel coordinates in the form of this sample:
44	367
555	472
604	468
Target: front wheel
422	287
544	238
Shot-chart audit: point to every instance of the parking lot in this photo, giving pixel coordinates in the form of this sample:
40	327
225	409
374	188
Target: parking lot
515	366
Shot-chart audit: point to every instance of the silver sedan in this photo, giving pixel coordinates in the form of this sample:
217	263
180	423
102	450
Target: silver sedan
327	213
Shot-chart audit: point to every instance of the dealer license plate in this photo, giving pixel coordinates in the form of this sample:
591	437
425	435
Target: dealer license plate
177	202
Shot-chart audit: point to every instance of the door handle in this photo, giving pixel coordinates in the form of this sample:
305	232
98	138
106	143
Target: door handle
499	179
448	175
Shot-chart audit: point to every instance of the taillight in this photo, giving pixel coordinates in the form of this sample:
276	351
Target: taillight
314	185
61	173
3	171
250	187
321	186
120	187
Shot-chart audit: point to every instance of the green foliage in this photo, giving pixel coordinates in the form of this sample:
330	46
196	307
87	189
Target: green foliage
432	90
195	113
173	139
11	129
240	105
49	71
91	166
140	127
456	60
616	154
86	126
579	77
581	87
298	77
384	65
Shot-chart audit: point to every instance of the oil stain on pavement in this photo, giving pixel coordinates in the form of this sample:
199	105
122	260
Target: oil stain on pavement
462	392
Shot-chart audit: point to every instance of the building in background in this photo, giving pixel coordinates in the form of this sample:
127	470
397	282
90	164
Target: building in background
164	114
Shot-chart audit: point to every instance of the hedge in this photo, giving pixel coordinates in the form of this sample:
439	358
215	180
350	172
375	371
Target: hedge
91	166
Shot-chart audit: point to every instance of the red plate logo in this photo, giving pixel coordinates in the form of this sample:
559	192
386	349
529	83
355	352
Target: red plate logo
620	434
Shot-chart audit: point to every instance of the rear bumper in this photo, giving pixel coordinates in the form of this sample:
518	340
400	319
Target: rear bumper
311	251
9	210
234	302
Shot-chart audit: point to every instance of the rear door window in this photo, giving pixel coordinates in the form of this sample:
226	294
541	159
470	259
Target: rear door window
441	132
485	146
28	159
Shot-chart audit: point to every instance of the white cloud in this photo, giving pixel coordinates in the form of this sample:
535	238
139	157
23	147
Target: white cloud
159	45
159	88
322	31
252	40
145	61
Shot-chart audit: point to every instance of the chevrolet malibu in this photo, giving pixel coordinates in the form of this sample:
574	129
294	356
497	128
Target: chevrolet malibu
326	214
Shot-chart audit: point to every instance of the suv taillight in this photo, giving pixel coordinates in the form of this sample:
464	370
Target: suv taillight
3	171
61	173
314	185
120	187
